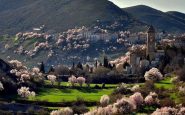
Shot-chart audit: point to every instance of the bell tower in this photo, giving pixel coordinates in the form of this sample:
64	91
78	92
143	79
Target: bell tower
150	50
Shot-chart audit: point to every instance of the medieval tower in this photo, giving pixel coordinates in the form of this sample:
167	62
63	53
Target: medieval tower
150	50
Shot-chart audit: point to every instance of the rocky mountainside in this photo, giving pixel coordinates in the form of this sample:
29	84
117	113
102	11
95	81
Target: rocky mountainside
169	21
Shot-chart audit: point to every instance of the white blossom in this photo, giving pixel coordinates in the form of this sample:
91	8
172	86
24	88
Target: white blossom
25	92
64	111
52	78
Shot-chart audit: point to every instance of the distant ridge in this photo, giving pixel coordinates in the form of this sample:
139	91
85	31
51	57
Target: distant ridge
170	21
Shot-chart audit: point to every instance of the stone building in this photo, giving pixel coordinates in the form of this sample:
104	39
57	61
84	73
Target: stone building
150	45
146	55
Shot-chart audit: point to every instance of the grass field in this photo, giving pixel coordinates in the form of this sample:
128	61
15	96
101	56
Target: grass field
166	83
69	94
47	82
63	95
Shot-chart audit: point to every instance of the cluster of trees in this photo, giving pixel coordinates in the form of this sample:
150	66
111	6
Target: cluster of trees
19	79
73	80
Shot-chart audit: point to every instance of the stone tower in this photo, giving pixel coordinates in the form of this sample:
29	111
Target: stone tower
150	50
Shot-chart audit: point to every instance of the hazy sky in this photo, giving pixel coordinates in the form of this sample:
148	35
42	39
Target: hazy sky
164	5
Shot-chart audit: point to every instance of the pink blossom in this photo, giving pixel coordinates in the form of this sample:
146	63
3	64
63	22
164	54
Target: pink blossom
152	99
165	111
124	106
72	80
104	100
52	78
137	98
35	70
181	111
25	76
135	88
80	81
64	111
153	75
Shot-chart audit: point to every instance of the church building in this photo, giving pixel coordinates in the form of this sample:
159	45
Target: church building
145	55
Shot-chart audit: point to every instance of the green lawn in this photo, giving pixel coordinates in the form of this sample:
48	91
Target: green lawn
166	83
62	95
47	82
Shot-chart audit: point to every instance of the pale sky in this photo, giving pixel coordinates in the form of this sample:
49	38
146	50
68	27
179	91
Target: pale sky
163	5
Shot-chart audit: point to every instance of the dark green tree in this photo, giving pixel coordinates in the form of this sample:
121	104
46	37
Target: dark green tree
42	67
79	65
51	69
106	62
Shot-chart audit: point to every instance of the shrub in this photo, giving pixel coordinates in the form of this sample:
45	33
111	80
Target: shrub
181	74
115	97
182	90
137	98
175	79
147	88
101	71
122	89
181	111
52	78
42	112
80	109
97	87
25	92
64	111
101	111
104	101
124	106
61	70
135	88
80	81
167	102
149	85
153	75
30	110
72	80
152	99
165	111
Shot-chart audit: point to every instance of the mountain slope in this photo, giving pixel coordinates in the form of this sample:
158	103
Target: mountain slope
56	15
177	14
161	20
